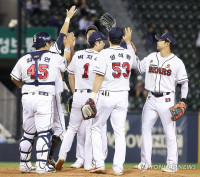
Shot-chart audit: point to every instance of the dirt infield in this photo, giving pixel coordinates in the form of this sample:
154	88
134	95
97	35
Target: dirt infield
128	172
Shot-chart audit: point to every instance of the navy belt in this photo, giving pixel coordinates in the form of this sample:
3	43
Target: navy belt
157	94
39	93
39	83
87	90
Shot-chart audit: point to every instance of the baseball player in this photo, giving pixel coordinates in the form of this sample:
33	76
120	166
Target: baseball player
36	73
81	81
164	70
111	85
59	121
80	147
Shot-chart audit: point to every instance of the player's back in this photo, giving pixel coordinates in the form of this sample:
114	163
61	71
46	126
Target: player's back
48	66
115	64
82	67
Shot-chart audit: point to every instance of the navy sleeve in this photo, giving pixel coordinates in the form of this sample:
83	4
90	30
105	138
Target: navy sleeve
123	44
59	40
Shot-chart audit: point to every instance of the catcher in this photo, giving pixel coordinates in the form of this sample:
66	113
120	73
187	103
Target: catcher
163	71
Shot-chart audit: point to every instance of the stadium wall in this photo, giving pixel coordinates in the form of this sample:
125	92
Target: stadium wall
187	136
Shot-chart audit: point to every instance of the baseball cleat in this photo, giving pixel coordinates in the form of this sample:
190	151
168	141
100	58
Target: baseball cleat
142	167
169	169
47	169
27	170
26	167
97	170
76	165
59	164
87	168
118	173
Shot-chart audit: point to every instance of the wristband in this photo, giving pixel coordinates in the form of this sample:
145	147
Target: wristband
93	94
67	50
67	19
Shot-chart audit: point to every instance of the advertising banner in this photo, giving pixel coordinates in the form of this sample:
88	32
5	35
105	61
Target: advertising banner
186	126
8	40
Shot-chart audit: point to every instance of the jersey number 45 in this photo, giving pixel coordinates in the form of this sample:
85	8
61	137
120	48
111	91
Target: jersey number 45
43	71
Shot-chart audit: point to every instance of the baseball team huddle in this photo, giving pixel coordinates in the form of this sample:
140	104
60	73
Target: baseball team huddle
99	80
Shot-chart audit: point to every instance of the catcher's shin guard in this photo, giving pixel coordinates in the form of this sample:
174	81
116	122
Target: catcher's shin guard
42	148
25	148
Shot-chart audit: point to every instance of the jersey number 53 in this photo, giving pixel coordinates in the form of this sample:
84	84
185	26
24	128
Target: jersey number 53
117	69
42	68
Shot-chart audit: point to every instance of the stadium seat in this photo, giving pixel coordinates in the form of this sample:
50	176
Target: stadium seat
183	22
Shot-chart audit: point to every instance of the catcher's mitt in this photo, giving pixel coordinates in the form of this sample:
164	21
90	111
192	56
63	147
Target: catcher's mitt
69	104
108	21
89	109
178	110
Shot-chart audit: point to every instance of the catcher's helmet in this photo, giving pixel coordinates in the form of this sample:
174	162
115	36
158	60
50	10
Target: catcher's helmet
40	39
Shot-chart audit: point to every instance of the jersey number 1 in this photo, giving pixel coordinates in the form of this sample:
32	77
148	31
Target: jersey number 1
85	74
41	68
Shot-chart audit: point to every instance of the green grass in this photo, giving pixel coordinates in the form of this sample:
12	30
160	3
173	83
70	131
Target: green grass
109	165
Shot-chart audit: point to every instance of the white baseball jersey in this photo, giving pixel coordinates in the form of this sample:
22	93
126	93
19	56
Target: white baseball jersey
48	66
57	49
116	70
82	66
162	74
59	121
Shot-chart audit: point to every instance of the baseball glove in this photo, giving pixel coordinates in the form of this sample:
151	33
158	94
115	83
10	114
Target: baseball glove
89	109
178	110
108	21
69	104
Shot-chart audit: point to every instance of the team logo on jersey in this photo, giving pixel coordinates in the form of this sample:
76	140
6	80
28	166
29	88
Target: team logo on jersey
168	65
162	71
36	56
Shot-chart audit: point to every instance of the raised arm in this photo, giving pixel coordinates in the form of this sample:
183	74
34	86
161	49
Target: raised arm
69	14
137	64
68	43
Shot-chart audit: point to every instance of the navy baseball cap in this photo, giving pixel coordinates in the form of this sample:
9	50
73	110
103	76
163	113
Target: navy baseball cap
167	37
39	39
115	33
96	36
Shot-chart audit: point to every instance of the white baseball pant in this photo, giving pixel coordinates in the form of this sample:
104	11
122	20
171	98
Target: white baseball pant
115	105
59	119
159	107
80	147
76	118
